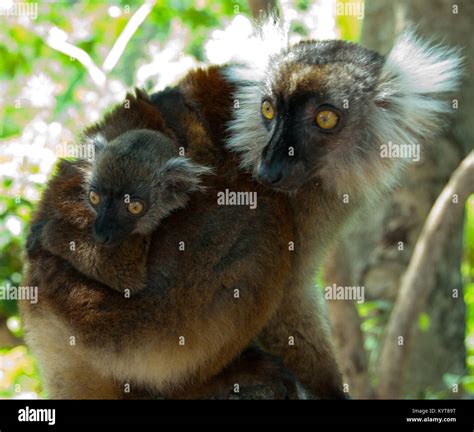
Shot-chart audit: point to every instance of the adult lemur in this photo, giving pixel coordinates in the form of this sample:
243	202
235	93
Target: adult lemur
309	122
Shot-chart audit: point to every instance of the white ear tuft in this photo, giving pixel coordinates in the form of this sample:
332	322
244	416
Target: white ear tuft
410	91
269	37
411	105
424	68
181	175
97	141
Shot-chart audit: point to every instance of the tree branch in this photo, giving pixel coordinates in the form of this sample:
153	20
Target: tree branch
56	39
132	26
418	279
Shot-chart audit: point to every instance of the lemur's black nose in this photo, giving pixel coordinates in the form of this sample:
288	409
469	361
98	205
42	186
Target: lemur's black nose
104	238
269	175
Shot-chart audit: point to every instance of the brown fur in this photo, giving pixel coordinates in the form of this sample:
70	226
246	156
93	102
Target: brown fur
317	215
136	112
188	293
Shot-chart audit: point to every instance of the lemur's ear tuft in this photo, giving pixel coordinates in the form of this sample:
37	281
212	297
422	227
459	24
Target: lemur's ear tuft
416	72
142	94
270	36
98	141
181	176
411	94
425	67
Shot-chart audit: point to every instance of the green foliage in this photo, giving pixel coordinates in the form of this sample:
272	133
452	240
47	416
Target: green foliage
424	322
374	319
19	373
14	211
467	271
196	45
303	5
349	25
468	262
299	28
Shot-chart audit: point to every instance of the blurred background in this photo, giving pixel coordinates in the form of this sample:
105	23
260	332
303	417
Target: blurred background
64	64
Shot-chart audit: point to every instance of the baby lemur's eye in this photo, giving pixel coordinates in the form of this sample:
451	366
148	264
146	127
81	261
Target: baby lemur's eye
136	208
94	198
326	118
267	110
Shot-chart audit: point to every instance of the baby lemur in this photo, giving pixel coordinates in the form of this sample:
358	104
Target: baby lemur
310	125
137	180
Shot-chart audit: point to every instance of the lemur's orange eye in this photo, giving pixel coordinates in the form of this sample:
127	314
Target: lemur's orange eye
327	119
267	110
136	207
94	198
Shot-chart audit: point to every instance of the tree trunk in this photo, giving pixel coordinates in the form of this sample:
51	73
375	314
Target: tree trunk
380	246
345	323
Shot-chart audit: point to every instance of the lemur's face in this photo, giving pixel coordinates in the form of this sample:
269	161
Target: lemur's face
322	111
136	181
317	107
314	106
120	197
123	187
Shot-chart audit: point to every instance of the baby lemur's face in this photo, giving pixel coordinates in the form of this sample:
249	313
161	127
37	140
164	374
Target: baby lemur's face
137	180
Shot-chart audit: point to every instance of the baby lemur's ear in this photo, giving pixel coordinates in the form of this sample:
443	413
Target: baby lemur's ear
180	176
97	142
